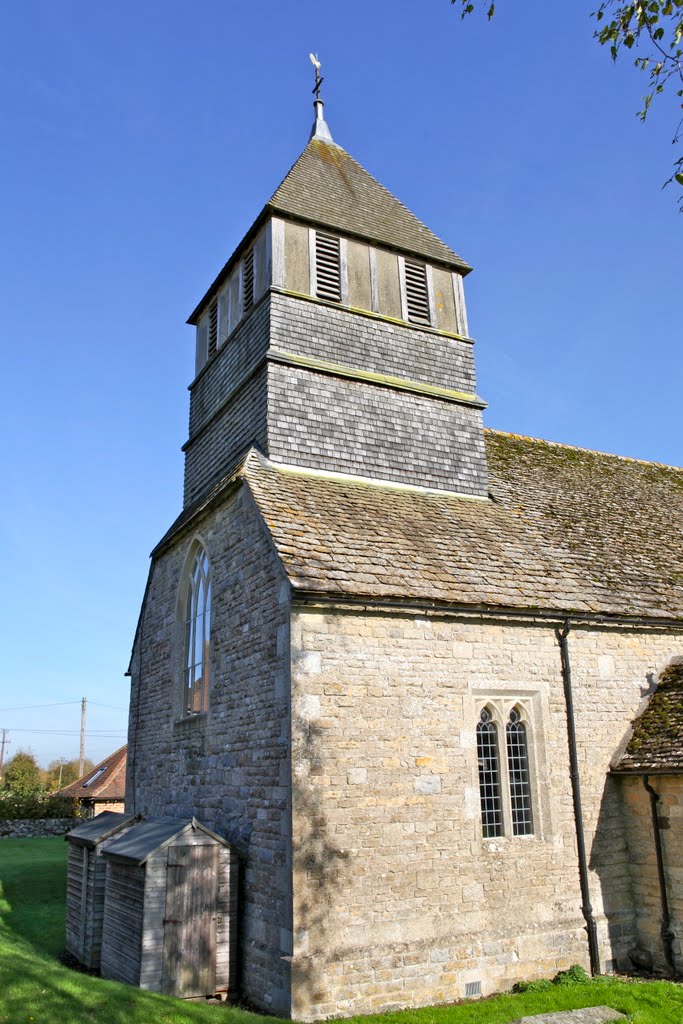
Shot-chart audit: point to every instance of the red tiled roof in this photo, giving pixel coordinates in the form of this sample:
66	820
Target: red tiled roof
106	781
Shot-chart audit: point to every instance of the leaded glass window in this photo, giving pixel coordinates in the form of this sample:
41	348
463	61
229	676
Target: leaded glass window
489	776
518	772
197	630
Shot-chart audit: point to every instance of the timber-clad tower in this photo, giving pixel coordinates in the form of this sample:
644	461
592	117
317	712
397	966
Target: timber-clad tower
335	338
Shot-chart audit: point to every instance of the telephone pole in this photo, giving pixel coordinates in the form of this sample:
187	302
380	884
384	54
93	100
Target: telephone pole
2	752
81	756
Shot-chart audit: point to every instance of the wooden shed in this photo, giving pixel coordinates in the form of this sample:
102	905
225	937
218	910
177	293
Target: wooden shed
169	915
86	873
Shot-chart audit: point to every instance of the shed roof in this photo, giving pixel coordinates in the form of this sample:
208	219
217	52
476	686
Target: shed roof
152	834
565	529
99	828
657	741
105	782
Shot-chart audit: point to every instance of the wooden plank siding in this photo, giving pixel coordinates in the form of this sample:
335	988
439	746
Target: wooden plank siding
74	901
123	922
85	889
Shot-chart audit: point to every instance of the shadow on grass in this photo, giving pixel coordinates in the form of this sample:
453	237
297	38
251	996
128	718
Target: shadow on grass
38	990
35	988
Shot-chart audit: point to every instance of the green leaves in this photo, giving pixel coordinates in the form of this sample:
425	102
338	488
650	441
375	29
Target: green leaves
655	26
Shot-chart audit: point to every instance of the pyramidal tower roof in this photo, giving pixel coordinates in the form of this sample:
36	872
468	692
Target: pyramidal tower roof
326	186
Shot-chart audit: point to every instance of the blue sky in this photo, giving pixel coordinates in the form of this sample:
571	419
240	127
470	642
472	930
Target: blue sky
140	141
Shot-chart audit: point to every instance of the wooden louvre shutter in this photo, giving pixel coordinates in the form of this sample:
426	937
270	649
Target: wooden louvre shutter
248	282
417	296
213	326
223	315
327	267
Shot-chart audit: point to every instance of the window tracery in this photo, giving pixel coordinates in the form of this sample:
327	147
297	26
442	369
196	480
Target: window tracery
505	790
197	623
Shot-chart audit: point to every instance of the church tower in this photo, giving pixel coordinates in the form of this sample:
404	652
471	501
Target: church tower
334	370
335	338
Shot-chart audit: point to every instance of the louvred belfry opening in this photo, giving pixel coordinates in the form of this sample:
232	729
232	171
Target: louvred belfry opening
327	267
417	296
213	326
248	284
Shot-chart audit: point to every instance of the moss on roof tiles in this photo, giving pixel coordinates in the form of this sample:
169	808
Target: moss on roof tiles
657	740
566	530
328	187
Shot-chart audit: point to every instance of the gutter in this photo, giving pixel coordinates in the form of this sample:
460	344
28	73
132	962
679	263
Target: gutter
666	930
480	611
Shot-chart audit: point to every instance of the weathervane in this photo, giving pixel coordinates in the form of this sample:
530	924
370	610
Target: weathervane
318	78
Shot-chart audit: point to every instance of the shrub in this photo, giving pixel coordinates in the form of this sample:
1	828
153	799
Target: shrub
574	976
13	806
542	985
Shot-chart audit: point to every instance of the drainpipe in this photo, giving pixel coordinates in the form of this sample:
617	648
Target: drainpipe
586	907
666	930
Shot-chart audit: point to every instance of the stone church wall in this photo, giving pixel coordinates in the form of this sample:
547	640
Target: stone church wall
230	768
397	898
643	861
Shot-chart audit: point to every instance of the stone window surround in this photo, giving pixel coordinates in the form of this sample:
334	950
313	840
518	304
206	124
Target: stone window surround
500	702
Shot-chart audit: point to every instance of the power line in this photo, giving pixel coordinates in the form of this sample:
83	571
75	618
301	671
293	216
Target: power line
31	707
61	704
67	732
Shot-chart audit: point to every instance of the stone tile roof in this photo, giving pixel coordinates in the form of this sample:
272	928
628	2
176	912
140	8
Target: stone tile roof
657	741
615	524
328	187
566	529
109	784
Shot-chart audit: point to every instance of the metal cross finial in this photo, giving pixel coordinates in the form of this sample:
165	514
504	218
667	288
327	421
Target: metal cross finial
318	77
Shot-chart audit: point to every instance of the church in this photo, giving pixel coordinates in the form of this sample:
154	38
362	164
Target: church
423	676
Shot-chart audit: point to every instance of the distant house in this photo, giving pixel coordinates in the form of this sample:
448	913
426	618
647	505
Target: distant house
103	787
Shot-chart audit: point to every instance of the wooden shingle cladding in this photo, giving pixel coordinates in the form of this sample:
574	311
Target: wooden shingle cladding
170	910
85	884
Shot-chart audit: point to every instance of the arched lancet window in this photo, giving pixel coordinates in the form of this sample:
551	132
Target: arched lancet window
489	776
197	631
518	772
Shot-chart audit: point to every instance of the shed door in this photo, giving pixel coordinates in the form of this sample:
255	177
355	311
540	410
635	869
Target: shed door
189	966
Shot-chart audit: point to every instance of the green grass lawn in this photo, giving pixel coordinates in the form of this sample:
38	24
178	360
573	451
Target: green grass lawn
35	988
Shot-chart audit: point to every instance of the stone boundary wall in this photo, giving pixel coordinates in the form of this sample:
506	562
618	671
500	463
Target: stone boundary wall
34	828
